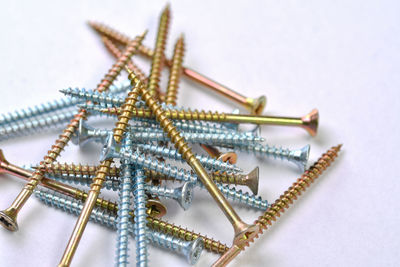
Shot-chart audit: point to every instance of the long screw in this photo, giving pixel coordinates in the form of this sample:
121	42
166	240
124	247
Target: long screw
190	249
309	122
284	201
99	179
156	208
242	230
254	105
230	157
175	73
10	214
124	203
158	57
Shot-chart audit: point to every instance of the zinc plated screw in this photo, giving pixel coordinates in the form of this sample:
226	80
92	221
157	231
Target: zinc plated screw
35	124
10	214
296	156
156	208
213	164
183	194
308	122
284	201
140	218
124	203
183	175
190	249
105	165
175	72
254	105
158	57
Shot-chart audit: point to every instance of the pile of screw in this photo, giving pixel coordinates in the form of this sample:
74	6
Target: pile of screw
151	134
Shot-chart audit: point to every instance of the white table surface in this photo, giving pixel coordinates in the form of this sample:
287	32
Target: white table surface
341	57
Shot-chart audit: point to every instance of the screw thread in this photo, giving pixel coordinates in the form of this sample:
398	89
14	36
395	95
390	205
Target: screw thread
208	162
89	95
72	169
159	57
228	178
30	112
124	203
115	70
245	198
34	124
116	52
175	72
140	218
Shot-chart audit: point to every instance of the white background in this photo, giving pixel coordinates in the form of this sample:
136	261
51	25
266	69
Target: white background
341	57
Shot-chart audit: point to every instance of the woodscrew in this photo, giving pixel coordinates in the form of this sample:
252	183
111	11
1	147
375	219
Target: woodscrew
284	201
308	122
254	105
175	72
158	56
230	157
10	214
102	172
183	194
190	249
250	180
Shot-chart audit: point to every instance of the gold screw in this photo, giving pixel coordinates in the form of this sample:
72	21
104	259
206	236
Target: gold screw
158	58
10	214
175	73
283	202
308	122
158	209
102	172
242	230
250	180
254	105
230	157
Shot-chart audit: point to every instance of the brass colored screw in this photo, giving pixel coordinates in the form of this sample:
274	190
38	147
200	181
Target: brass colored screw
176	71
102	172
308	122
230	157
250	180
10	214
242	230
158	57
283	202
157	208
254	105
116	52
73	169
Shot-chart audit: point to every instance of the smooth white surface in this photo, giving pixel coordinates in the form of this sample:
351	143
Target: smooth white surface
341	57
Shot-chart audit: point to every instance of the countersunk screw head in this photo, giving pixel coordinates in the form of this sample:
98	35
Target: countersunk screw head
252	180
110	148
256	105
300	156
186	195
310	122
8	219
196	249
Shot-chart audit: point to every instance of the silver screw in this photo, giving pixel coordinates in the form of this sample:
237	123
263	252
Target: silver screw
183	195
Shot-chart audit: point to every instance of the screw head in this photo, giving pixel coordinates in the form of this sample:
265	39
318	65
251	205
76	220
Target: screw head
8	220
187	195
195	251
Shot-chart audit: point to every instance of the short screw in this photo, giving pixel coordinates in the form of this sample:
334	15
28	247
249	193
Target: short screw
183	195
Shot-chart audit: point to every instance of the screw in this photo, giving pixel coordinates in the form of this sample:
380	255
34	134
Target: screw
157	208
297	156
183	195
254	105
110	151
124	203
105	165
308	122
250	180
191	249
35	124
283	202
158	57
241	229
175	72
140	218
207	162
10	214
230	157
